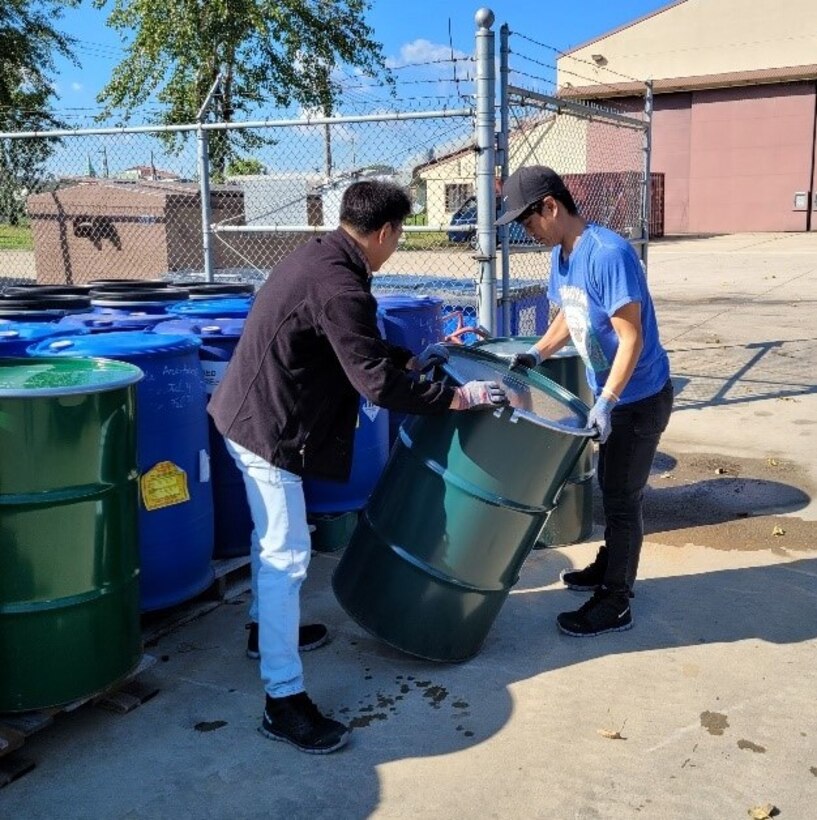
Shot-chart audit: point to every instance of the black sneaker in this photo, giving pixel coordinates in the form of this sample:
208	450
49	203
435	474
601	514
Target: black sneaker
607	611
297	721
591	577
310	636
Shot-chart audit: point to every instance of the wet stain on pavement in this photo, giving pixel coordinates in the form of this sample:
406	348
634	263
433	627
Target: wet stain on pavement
813	770
727	503
366	720
714	722
436	694
752	747
381	705
209	725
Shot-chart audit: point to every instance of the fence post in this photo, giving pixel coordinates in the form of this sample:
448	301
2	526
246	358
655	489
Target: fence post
486	168
646	192
504	163
203	147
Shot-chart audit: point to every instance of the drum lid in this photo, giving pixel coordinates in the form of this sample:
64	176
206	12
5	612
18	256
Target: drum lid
532	396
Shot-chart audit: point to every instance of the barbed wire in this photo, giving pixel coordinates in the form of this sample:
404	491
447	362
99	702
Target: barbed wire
441	61
566	71
571	57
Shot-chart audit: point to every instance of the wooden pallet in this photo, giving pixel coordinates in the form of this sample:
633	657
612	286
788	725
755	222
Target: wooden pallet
16	728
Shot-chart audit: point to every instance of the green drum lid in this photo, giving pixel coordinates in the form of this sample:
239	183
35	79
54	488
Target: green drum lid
533	396
41	378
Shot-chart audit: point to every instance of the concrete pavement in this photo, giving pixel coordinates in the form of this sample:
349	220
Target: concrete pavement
704	709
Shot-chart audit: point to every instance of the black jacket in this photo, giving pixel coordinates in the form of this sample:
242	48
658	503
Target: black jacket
310	345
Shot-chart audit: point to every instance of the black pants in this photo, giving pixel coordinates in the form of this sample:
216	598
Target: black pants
624	466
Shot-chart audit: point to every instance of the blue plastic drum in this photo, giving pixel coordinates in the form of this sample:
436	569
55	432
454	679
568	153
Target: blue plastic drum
176	499
413	322
17	337
112	322
231	513
237	308
371	451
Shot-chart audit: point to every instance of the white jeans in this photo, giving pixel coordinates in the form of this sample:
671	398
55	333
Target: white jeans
280	556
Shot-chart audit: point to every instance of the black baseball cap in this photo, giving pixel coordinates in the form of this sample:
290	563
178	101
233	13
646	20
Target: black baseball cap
526	187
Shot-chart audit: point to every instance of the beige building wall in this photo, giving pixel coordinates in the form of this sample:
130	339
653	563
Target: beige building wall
699	37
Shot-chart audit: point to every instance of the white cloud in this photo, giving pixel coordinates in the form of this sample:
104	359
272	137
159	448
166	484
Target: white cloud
423	51
75	86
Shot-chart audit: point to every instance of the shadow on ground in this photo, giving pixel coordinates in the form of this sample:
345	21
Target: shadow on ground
406	708
735	374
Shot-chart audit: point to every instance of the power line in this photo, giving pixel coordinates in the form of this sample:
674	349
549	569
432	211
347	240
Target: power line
577	59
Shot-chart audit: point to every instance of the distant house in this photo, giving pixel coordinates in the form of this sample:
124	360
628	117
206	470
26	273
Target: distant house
448	180
148	173
297	198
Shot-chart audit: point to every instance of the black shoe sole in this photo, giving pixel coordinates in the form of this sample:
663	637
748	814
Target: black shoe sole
577	587
572	634
307	647
343	740
583	587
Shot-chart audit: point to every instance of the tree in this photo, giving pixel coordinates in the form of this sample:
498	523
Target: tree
28	44
276	52
245	166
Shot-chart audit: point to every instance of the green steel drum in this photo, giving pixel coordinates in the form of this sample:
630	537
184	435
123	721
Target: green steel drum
69	571
572	520
457	509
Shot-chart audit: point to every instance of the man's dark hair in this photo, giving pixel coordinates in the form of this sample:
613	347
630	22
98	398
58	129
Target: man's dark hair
369	204
566	198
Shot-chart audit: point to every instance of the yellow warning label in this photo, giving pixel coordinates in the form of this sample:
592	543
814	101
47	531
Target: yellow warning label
164	485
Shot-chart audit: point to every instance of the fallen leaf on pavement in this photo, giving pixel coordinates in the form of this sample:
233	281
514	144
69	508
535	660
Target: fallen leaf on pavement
763	812
777	531
611	734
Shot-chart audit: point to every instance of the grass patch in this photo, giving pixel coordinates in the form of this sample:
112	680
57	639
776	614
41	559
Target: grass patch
15	238
433	240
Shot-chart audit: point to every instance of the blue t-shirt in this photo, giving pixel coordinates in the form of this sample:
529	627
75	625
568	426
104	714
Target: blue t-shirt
602	274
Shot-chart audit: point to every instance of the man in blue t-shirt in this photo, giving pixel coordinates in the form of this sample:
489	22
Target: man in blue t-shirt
605	309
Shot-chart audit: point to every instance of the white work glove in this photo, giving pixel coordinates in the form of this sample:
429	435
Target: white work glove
432	356
480	394
599	417
530	358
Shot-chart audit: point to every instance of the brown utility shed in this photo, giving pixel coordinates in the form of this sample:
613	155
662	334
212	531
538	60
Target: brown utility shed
102	228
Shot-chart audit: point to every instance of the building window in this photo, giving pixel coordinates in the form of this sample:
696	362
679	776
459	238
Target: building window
457	194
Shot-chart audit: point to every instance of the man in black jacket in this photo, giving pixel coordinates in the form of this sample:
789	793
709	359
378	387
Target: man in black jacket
287	407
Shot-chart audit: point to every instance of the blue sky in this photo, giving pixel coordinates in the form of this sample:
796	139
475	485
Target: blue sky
410	33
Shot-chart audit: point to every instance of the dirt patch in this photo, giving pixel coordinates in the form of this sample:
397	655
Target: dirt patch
727	503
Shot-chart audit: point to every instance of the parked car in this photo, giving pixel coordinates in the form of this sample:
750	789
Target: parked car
466	214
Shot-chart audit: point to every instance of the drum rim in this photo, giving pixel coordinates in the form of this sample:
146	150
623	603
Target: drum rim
539	380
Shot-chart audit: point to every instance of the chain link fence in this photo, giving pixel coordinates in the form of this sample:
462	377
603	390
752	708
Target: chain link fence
601	153
101	203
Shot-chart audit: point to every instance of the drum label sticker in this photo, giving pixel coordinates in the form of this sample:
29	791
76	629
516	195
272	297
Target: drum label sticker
213	374
370	410
164	485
